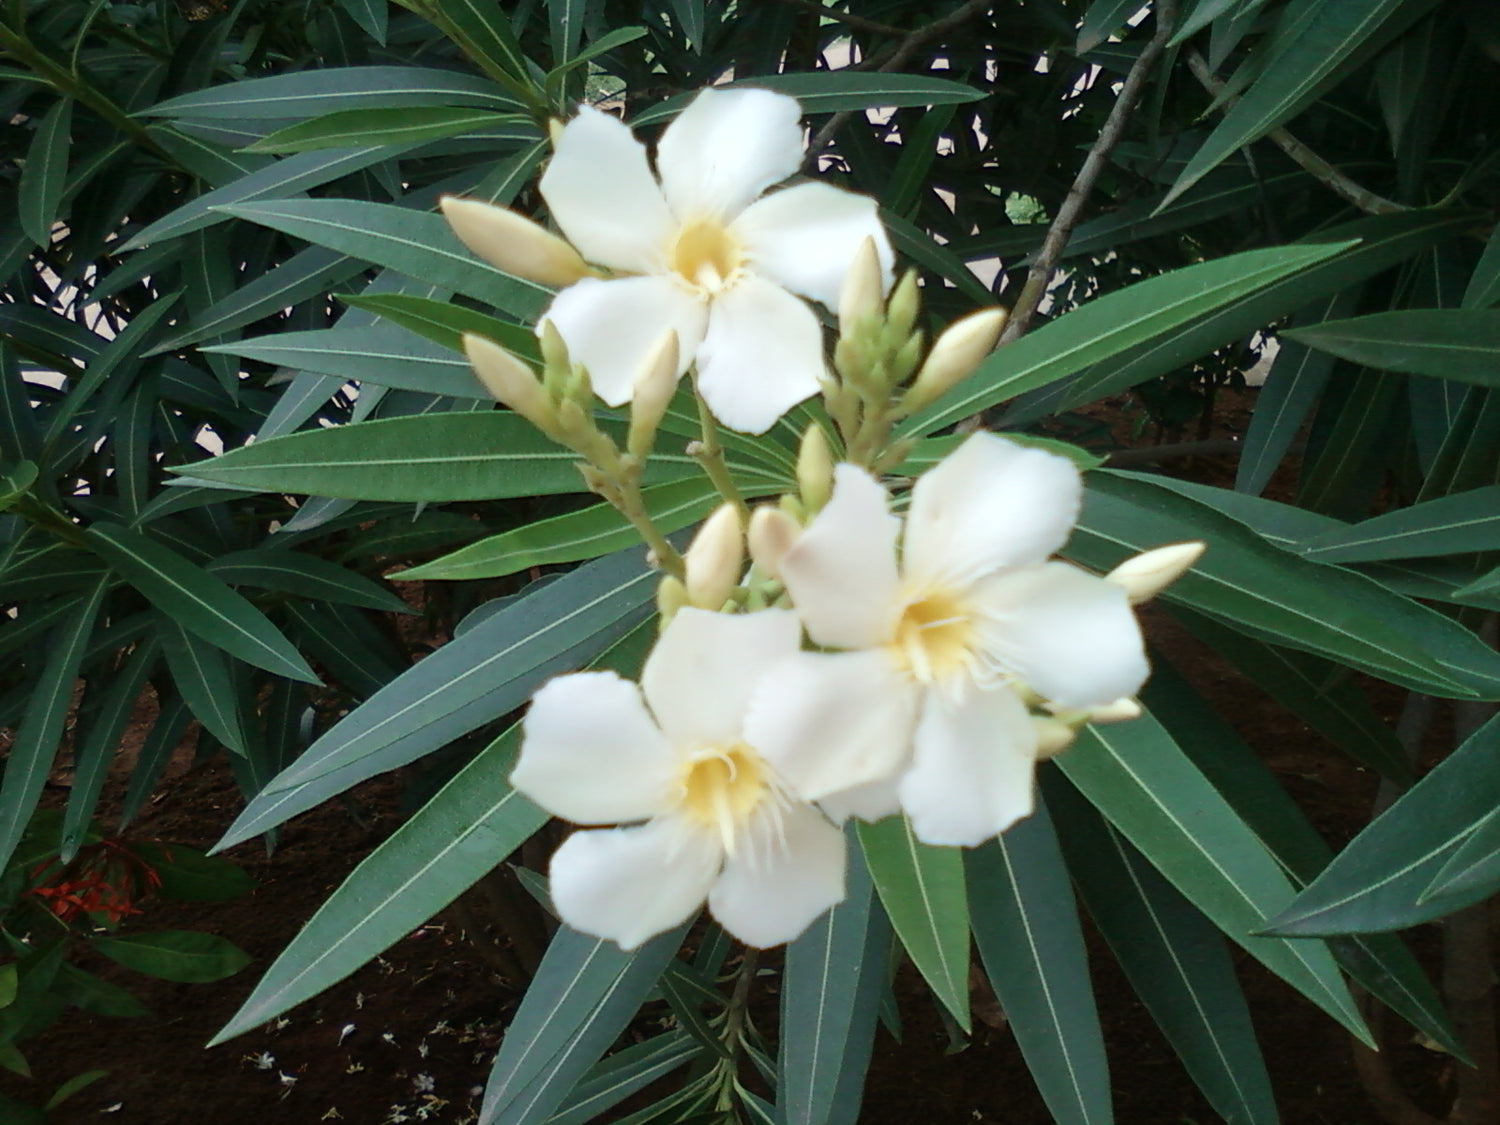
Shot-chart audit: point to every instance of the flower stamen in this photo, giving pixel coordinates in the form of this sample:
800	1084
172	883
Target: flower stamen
706	256
721	786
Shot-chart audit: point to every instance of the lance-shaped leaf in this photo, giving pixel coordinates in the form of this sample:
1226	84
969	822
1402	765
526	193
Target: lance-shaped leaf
1174	957
203	677
188	956
1450	525
1268	593
419	244
475	455
488	671
445	323
1378	881
305	575
1138	778
1105	327
391	126
1026	928
834	91
44	173
922	889
471	824
1458	344
41	726
584	993
197	600
834	978
615	1078
308	93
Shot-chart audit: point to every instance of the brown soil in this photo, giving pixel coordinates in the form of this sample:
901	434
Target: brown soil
411	1036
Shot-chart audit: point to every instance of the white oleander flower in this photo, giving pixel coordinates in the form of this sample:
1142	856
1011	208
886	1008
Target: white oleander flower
947	644
708	816
696	247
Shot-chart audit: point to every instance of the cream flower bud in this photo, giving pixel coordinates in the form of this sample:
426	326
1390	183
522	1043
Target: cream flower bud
905	303
863	289
555	127
510	381
772	533
955	355
513	242
814	469
1121	710
671	595
654	386
715	559
1053	736
1149	573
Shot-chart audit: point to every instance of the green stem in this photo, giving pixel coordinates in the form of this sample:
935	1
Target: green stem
710	454
43	515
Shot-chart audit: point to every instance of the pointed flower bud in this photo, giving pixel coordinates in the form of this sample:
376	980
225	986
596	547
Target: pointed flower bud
715	559
772	533
955	355
510	381
814	469
1053	736
905	303
1148	574
654	386
1121	710
513	242
671	595
864	288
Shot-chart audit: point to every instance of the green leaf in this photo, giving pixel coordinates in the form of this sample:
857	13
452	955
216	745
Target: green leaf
1483	289
566	20
583	995
1278	597
484	33
445	324
1026	928
1476	863
96	995
1174	957
187	875
43	175
72	1086
306	576
41	727
481	675
922	889
372	16
603	45
1450	525
350	127
482	455
1137	777
419	244
1377	882
832	91
585	534
1103	19
1329	38
1458	344
470	824
1104	327
197	600
202	675
615	1078
186	956
308	93
834	977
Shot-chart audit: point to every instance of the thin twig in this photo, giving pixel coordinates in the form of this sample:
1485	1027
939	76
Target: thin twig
1040	275
1310	162
898	58
849	19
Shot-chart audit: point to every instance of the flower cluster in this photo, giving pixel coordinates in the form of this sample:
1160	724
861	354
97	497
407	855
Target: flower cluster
822	657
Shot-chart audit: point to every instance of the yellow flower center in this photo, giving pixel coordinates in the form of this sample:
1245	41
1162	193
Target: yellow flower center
721	786
705	255
935	636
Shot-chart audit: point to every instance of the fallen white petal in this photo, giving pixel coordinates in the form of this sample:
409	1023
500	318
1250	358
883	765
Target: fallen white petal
602	194
591	753
806	238
629	884
787	870
726	148
761	354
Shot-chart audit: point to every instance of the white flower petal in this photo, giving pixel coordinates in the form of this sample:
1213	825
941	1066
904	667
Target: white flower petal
971	772
726	148
833	721
841	572
630	884
806	237
591	753
787	870
988	504
761	355
612	327
602	194
872	802
1070	635
700	676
